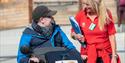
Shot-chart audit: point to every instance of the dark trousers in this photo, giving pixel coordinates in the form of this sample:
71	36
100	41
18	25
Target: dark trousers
70	55
51	57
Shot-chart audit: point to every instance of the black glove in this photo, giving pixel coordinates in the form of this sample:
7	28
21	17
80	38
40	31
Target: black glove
25	49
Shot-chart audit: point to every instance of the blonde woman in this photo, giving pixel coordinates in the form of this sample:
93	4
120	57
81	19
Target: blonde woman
97	25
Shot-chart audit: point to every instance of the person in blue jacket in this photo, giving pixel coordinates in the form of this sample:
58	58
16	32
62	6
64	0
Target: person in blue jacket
44	32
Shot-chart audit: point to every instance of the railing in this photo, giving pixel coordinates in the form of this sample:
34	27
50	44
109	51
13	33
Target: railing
6	58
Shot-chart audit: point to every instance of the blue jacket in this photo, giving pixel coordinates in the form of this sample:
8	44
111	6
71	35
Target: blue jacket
29	34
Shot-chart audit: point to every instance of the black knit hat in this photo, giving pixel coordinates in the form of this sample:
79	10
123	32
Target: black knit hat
42	11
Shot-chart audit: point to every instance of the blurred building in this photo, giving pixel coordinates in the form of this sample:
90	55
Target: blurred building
17	13
13	13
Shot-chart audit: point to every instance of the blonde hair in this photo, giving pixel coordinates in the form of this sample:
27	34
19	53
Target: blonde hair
101	11
103	15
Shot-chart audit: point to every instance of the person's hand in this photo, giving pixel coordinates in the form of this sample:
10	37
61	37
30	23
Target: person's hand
78	36
84	57
34	59
114	60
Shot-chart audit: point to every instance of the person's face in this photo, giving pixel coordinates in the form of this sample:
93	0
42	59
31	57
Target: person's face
45	21
88	7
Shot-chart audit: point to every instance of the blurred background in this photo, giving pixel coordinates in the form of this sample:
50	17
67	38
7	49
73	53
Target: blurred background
15	15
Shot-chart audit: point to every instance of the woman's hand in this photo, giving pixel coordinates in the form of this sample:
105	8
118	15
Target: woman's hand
84	57
114	59
78	36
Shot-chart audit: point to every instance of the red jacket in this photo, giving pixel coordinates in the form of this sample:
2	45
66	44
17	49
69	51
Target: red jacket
98	44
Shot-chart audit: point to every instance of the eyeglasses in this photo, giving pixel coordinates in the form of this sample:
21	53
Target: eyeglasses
49	17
